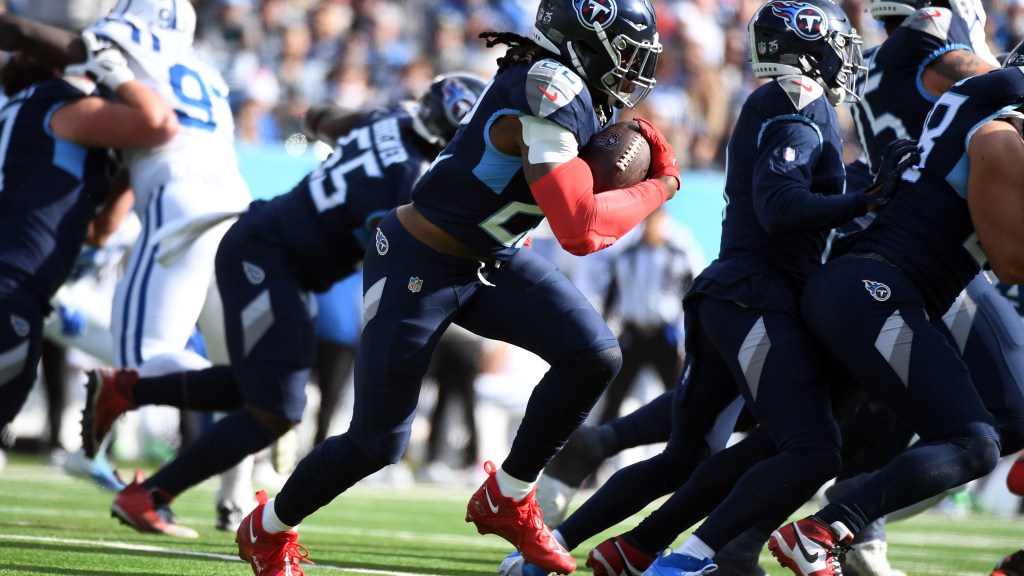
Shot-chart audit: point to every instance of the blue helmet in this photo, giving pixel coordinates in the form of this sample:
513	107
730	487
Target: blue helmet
612	44
809	37
442	107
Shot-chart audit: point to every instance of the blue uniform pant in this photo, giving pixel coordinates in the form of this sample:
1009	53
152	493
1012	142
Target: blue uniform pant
870	317
21	340
411	293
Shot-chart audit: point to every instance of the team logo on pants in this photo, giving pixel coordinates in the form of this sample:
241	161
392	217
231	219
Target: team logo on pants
415	284
382	243
20	325
877	290
253	273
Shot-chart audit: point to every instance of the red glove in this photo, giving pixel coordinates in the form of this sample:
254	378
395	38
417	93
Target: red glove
663	157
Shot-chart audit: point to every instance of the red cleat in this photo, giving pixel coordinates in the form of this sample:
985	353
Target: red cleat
108	395
616	557
521	523
808	547
135	507
278	554
1015	478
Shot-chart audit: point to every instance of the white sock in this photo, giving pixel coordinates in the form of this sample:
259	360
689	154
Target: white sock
694	547
271	523
513	487
558	536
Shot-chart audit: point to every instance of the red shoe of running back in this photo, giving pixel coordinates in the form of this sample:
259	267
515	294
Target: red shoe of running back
104	402
521	523
808	547
278	554
1015	478
616	557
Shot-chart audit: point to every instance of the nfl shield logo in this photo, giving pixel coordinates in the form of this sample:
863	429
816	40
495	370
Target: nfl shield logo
789	154
415	284
20	325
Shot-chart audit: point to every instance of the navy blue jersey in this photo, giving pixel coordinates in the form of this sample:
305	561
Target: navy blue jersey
50	189
493	210
324	222
784	192
895	102
927	230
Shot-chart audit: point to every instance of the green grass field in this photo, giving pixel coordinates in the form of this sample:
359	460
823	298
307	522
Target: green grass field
53	524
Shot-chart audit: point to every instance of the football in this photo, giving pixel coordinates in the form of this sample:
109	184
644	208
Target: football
618	156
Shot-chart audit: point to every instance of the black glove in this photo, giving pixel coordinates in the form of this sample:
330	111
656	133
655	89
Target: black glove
899	155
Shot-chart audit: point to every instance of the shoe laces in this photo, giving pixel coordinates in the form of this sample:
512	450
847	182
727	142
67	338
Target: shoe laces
295	553
530	515
835	555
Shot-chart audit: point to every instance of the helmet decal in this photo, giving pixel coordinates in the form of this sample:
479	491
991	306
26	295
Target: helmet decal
807	20
458	100
594	13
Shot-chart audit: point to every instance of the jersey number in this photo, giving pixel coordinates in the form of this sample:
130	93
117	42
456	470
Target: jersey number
7	117
191	91
330	193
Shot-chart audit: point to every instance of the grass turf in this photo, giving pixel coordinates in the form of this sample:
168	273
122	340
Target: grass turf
54	524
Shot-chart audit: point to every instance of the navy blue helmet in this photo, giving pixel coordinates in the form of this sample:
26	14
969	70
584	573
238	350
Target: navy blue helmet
809	37
612	44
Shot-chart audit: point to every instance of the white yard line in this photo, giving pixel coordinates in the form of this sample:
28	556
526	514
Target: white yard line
162	550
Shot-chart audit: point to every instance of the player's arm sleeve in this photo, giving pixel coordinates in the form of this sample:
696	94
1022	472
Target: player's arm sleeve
585	222
783	172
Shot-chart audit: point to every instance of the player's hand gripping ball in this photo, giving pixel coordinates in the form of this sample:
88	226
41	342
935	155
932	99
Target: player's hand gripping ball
618	156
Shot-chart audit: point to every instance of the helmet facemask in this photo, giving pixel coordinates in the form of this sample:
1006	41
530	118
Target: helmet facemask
630	67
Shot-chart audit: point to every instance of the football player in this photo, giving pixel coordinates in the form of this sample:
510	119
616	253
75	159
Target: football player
784	187
191	179
267	264
55	169
453	255
904	270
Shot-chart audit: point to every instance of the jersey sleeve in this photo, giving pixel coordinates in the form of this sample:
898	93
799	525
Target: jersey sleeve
558	94
782	196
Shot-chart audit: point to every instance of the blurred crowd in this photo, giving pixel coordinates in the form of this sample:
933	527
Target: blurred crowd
281	56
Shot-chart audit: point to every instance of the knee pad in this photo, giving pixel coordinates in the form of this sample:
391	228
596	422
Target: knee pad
593	371
982	454
384	446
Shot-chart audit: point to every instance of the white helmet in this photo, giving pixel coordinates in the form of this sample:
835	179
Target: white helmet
178	15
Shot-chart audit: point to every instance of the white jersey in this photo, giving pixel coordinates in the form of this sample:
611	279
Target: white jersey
204	146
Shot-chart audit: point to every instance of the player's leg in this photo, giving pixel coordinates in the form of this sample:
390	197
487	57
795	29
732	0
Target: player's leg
403	320
907	365
270	339
634	357
21	338
989	333
583	356
785	381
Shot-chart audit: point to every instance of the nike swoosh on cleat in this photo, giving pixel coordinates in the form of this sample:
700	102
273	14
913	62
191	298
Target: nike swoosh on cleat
494	508
252	537
800	544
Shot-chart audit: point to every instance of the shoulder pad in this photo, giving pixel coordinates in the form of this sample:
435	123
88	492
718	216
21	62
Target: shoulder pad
932	21
801	90
551	86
